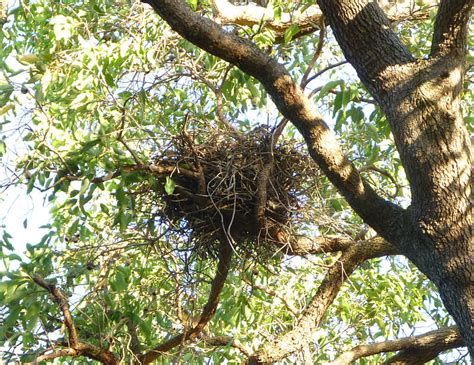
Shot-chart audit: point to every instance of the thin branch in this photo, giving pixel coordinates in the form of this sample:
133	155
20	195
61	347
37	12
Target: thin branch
414	349
134	340
319	73
217	90
317	53
274	294
208	311
63	304
156	168
384	173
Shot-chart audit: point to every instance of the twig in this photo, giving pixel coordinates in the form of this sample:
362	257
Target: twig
317	53
134	340
319	73
273	293
384	173
157	168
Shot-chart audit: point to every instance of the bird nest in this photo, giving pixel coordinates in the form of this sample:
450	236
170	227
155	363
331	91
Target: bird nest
246	190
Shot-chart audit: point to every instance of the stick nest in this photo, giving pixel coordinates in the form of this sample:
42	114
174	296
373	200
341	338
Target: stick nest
245	190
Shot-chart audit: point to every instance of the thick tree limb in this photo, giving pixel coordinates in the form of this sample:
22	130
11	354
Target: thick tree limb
364	34
74	347
292	103
451	27
208	312
227	13
414	349
308	20
82	349
303	245
338	273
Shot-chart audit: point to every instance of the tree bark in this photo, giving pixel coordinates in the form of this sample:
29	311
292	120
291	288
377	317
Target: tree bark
421	99
412	350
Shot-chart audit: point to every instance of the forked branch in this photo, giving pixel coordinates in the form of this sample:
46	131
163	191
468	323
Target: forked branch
338	273
74	347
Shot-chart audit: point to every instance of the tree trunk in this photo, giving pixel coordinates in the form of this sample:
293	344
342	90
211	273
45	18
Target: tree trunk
421	99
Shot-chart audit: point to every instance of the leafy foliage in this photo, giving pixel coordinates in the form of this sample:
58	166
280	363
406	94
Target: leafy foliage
93	89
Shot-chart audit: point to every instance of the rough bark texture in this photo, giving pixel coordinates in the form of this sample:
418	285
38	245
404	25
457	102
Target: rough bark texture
308	20
422	102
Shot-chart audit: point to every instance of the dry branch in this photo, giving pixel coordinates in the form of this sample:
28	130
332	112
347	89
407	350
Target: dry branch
414	349
309	19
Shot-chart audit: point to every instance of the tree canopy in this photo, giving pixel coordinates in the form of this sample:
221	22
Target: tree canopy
228	182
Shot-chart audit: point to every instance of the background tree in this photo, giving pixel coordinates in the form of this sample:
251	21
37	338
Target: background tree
189	222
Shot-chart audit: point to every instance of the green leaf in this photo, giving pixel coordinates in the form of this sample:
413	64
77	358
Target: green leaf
28	59
6	108
104	208
170	185
290	33
85	184
330	86
89	144
120	283
337	103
